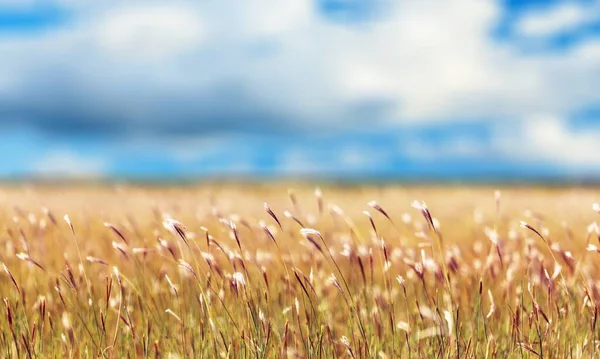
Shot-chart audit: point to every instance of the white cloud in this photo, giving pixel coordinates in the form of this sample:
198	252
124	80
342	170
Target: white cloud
349	159
359	157
458	147
298	162
195	149
549	139
66	164
561	17
151	32
185	64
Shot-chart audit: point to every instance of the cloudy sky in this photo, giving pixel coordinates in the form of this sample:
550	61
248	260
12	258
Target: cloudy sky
375	89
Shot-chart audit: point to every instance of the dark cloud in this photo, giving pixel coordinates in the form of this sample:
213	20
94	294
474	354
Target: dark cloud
63	105
61	101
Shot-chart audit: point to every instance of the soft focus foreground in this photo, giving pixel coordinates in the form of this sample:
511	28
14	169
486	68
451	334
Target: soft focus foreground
263	272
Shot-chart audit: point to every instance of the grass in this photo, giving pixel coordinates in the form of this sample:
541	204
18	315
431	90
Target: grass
259	272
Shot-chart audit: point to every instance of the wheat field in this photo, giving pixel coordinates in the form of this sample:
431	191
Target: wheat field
290	271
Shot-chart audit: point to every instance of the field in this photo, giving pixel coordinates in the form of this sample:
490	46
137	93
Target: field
259	271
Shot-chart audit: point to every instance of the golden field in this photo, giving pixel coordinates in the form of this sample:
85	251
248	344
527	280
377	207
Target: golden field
342	272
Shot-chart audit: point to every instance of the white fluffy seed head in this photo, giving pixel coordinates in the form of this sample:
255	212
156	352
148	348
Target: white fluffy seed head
309	231
318	192
593	228
239	279
421	206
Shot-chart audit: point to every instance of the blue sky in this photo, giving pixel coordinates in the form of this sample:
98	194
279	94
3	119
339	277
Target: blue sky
355	89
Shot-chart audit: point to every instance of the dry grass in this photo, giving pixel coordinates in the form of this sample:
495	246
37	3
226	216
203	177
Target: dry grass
214	272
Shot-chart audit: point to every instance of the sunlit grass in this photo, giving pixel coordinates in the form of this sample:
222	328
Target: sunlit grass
260	272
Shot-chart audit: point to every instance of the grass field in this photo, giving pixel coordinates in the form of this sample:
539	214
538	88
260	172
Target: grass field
214	272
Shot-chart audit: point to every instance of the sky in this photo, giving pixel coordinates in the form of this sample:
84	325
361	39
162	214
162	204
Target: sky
344	89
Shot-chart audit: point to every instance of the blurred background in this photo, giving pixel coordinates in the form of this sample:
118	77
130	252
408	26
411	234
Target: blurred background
351	90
